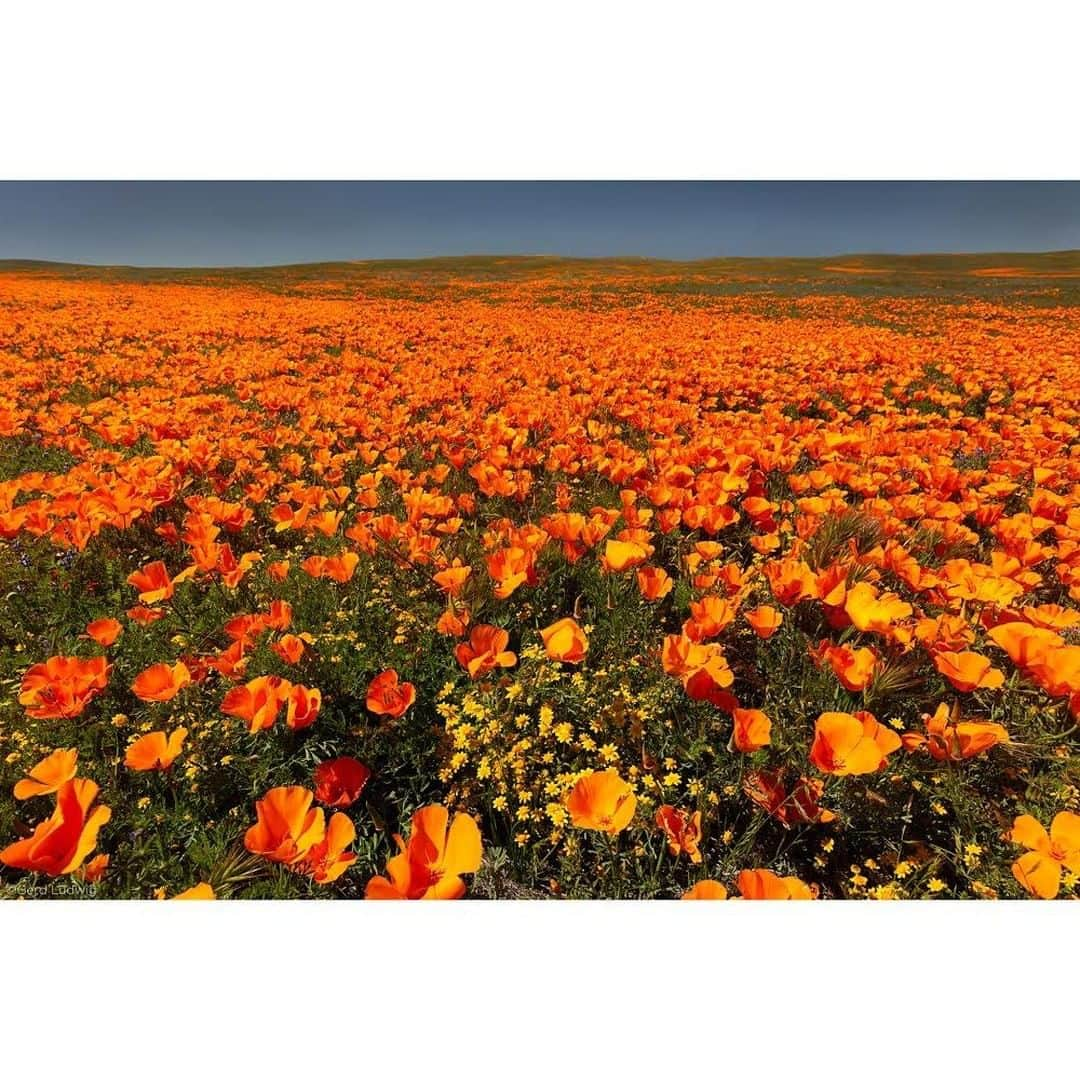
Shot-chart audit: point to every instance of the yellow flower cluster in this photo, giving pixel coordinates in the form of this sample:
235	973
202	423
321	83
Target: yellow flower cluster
518	746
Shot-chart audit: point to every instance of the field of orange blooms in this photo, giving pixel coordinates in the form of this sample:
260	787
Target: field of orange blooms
512	579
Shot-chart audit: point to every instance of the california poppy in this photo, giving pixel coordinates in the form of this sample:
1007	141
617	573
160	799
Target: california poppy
565	641
452	623
602	801
1039	870
202	891
453	578
93	870
848	745
702	668
161	682
950	738
328	859
154	583
765	620
682	829
278	570
338	782
60	844
104	631
710	615
765	885
48	775
63	686
791	805
752	730
155	750
855	668
485	651
303	705
623	555
968	671
430	866
289	647
258	701
386	696
287	828
706	890
874	613
654	583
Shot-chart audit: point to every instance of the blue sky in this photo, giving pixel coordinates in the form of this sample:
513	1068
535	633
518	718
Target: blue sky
223	223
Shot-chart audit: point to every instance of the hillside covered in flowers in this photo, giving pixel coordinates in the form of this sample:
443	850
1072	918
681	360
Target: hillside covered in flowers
539	578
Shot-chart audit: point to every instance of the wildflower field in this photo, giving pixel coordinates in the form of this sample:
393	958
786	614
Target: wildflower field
535	578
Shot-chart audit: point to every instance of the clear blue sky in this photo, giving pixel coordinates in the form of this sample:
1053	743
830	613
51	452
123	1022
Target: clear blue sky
220	223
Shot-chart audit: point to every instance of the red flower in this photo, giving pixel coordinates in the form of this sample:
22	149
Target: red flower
340	781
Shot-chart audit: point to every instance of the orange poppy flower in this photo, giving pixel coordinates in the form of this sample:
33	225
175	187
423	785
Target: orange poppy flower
872	613
1039	871
431	865
104	631
203	891
94	870
328	859
948	632
154	583
60	844
509	568
48	775
706	890
155	751
314	566
949	738
682	829
565	641
765	885
654	582
848	745
339	782
752	730
765	620
303	707
703	669
452	579
1057	671
855	668
602	801
160	682
484	651
340	568
622	555
278	570
386	696
279	616
257	702
1025	644
290	648
287	828
62	687
452	623
968	671
710	615
144	616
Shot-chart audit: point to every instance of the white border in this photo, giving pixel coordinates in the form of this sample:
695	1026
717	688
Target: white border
544	988
573	89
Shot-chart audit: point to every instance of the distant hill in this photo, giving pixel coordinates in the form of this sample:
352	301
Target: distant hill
1049	277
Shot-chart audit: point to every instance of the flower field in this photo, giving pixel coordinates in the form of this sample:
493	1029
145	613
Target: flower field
541	579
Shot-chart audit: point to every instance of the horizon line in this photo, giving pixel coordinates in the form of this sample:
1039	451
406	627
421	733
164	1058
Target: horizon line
525	256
